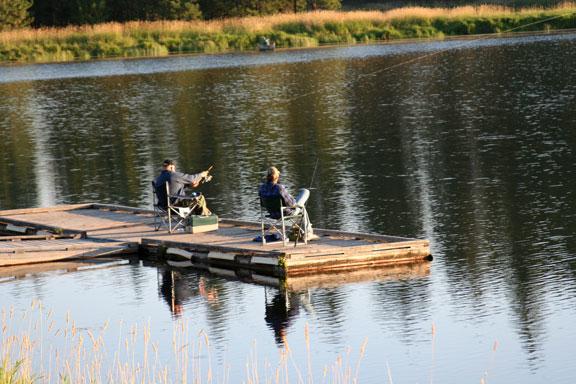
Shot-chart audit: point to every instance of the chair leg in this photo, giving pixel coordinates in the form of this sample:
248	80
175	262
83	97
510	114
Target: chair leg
175	220
299	229
263	235
262	227
160	218
305	220
283	229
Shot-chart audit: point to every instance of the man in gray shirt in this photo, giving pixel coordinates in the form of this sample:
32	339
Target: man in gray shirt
177	182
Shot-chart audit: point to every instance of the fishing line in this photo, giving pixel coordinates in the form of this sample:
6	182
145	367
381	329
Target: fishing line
438	52
465	43
314	173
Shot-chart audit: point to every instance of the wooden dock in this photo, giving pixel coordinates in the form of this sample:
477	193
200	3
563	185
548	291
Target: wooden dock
86	231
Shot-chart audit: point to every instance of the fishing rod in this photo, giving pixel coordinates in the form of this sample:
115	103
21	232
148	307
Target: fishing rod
314	173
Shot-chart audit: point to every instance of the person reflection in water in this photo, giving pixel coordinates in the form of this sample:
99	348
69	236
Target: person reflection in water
176	289
280	312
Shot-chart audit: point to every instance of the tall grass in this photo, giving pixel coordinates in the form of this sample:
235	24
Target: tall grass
34	349
390	4
161	38
11	375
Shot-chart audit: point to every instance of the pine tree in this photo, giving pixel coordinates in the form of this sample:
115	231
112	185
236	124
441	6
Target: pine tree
212	9
50	13
89	12
176	10
14	14
324	4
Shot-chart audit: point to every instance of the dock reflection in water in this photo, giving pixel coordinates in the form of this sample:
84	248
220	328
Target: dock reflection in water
284	298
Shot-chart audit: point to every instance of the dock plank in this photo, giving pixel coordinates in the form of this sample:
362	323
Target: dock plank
49	246
43	257
81	219
25	270
108	229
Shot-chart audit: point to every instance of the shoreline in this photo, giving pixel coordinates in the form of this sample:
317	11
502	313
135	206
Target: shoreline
464	38
145	40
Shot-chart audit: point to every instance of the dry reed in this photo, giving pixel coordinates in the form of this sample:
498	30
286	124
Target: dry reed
266	24
34	350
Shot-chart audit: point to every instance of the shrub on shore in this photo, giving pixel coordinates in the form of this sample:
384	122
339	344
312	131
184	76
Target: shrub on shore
139	39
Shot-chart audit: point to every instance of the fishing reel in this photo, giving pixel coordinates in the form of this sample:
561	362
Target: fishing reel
208	177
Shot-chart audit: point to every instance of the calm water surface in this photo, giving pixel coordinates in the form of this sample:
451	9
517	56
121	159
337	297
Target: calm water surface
471	146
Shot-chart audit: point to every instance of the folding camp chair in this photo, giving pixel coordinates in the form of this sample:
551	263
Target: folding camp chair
160	211
173	216
297	220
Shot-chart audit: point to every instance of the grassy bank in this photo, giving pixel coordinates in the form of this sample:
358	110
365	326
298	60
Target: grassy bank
139	39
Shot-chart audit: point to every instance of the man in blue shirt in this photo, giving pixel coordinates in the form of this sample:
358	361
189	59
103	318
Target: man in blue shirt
272	188
177	183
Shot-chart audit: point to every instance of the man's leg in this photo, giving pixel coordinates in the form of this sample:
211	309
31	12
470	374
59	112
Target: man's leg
301	199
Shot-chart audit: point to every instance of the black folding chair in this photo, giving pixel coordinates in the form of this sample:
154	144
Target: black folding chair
169	214
297	220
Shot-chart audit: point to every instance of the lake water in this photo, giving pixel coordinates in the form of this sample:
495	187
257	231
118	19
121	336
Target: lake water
470	144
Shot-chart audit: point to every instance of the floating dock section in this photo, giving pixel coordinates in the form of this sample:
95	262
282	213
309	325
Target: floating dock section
86	231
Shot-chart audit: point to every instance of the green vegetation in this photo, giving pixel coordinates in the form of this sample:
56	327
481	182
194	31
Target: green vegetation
10	375
391	4
161	38
14	14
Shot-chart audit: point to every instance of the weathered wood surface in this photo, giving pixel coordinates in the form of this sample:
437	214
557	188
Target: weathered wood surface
80	220
56	208
69	225
54	245
121	229
21	271
10	259
38	237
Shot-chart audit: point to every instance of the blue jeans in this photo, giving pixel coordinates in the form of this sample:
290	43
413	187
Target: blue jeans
301	199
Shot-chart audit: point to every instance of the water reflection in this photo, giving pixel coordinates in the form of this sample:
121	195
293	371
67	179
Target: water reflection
472	149
190	288
281	309
179	287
